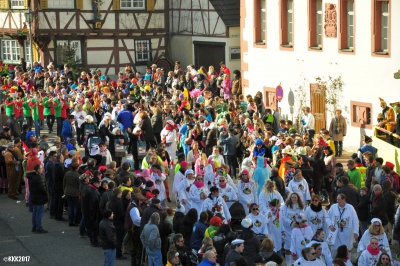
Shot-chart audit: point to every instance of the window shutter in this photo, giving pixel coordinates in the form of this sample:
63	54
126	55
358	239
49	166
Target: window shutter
44	4
26	4
79	4
4	4
150	5
116	4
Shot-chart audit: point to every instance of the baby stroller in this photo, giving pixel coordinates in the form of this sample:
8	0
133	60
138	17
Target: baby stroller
92	140
237	215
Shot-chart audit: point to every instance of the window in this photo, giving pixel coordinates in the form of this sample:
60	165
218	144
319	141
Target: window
287	23
315	26
62	49
361	114
132	4
10	51
142	51
260	21
270	101
18	4
381	27
346	41
27	49
60	4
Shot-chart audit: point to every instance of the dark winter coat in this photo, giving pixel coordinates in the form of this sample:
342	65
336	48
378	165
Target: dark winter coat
378	209
147	129
198	235
117	207
252	246
107	234
157	123
147	214
363	209
59	177
37	188
90	207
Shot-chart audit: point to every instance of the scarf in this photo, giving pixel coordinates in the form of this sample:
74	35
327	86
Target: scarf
198	184
316	208
373	252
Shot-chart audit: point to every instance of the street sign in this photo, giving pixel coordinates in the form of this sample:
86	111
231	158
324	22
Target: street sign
279	93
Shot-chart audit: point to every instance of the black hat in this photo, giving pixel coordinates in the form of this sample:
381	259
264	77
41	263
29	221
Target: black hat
107	213
156	166
155	201
138	182
149	183
213	189
94	180
339	165
297	142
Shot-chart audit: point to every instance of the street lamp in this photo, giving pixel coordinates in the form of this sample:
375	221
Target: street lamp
29	16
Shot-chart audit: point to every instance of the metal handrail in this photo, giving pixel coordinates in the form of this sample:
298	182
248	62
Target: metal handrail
386	132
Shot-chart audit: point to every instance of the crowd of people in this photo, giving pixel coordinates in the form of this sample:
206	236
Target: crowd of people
249	187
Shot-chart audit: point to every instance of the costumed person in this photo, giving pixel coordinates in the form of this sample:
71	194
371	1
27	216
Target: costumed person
317	217
247	190
159	177
343	218
209	176
389	117
198	192
286	156
226	191
375	229
370	256
260	221
261	174
367	146
216	158
293	206
184	188
309	258
13	167
268	194
216	205
300	186
168	136
178	178
319	238
301	235
275	224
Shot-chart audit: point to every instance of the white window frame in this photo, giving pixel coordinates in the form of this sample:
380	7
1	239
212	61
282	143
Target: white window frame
142	55
385	26
27	50
290	22
319	21
133	4
350	24
61	4
263	19
10	51
77	44
17	4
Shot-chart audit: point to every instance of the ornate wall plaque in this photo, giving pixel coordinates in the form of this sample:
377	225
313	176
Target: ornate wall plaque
330	20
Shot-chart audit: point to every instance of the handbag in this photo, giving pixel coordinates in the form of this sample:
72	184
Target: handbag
141	149
331	239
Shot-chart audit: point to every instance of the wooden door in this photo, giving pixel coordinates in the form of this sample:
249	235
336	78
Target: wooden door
318	106
209	54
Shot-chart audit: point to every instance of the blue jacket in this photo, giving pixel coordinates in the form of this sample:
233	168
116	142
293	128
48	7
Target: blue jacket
207	263
125	118
261	174
229	144
197	235
66	131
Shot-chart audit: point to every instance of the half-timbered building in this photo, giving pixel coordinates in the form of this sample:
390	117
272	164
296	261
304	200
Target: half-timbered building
105	34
